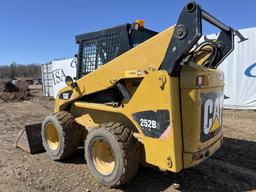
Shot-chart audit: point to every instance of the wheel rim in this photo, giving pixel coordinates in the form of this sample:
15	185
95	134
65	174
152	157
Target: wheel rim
52	136
103	158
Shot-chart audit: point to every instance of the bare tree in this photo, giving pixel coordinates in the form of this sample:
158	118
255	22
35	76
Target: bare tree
20	70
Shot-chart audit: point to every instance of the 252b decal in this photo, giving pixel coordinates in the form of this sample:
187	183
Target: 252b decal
149	123
153	123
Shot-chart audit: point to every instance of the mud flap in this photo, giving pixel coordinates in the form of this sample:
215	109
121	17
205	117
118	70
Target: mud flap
29	139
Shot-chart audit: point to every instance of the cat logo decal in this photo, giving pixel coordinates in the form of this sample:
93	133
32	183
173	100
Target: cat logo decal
211	114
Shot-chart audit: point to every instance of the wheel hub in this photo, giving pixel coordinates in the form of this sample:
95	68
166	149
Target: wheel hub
103	158
52	136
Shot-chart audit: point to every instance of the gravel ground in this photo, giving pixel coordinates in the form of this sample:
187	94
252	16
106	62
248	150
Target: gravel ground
232	168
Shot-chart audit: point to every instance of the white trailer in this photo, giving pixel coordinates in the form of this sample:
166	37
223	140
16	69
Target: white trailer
47	83
54	73
240	71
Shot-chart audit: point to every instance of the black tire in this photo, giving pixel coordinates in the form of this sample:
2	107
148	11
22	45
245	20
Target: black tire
125	151
68	135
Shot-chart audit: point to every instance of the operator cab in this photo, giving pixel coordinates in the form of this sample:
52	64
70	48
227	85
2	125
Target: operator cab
100	47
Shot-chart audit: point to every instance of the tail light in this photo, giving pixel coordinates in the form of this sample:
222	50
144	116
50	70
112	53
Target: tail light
199	80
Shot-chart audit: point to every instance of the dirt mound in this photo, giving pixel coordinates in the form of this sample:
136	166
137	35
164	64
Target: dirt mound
14	96
10	92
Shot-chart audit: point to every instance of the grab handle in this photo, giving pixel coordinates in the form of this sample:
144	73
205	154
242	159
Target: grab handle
209	18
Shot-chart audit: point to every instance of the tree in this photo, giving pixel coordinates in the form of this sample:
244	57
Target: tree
20	70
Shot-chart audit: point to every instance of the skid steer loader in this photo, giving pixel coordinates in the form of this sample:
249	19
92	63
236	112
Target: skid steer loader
142	97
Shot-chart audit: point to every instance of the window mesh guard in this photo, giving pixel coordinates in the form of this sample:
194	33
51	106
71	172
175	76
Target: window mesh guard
98	51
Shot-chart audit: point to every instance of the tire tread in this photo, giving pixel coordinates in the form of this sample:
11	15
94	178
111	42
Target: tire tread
70	134
129	147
